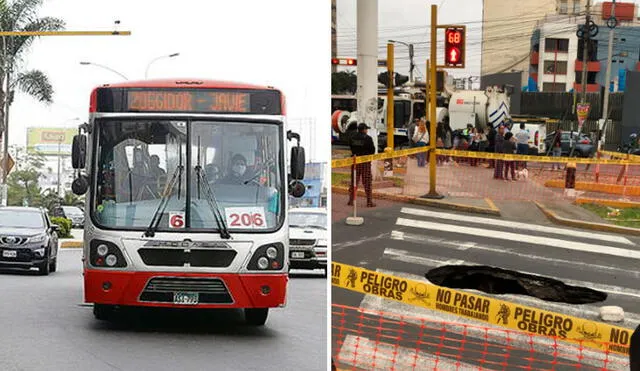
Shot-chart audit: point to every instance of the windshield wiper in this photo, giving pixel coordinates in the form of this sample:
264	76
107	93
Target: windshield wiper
157	216
211	198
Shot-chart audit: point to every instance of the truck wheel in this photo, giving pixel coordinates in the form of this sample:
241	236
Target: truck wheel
256	316
103	312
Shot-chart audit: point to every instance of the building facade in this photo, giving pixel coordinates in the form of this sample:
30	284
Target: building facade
556	64
507	28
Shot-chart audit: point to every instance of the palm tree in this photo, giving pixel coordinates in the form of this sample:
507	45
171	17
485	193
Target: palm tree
21	15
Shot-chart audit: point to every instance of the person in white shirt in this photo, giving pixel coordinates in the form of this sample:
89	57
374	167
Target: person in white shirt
522	138
421	139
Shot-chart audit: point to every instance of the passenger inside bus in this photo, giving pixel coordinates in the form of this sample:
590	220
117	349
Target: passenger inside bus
237	172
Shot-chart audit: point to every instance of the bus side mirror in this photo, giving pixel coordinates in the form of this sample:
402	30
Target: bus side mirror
297	163
80	185
79	151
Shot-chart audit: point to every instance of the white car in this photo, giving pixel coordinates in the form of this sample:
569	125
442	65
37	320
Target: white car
308	238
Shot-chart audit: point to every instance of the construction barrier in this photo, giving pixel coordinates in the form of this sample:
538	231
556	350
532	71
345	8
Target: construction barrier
374	340
481	175
561	327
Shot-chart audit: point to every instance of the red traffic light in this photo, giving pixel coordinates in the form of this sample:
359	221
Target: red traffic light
454	38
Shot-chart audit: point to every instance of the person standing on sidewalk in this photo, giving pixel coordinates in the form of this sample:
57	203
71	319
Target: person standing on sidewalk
523	143
509	147
421	139
499	143
556	148
361	145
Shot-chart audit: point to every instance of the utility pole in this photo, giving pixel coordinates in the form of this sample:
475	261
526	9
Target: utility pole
412	66
607	79
334	35
586	40
59	142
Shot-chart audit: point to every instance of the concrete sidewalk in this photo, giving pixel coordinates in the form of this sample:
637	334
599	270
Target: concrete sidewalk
76	240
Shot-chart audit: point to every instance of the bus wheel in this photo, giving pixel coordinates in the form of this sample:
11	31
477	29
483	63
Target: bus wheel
256	316
103	312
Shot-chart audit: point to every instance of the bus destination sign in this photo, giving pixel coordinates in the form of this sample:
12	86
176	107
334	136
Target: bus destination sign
188	101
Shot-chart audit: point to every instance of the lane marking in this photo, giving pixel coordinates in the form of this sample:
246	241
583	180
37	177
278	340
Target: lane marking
466	245
525	226
537	240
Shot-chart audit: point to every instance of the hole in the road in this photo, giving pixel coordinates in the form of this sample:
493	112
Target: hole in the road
494	280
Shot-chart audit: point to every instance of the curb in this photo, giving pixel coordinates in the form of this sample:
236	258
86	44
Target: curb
612	203
70	244
491	210
586	225
614	189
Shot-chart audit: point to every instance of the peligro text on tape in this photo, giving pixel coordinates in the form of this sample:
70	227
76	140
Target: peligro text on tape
592	334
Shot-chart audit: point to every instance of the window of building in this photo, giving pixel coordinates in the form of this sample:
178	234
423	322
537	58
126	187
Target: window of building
563	7
577	8
556	45
555	68
554	87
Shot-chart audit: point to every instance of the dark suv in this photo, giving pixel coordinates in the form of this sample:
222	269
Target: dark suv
28	239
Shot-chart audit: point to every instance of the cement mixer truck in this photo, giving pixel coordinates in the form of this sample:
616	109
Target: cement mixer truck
479	108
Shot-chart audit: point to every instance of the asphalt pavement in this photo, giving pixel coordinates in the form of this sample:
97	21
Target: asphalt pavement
46	326
408	240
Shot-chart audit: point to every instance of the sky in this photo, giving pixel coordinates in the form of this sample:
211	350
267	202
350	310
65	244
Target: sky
283	43
410	23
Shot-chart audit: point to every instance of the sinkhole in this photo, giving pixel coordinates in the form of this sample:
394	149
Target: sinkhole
494	280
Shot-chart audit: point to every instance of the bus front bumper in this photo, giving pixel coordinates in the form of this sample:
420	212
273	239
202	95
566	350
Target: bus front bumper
185	290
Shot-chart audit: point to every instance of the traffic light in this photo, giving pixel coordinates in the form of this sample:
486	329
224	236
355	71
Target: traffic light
344	61
398	80
454	52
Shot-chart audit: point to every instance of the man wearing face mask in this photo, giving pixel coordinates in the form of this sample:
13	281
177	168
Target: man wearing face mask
237	170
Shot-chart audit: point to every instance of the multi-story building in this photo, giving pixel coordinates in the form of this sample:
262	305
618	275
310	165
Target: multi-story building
507	28
556	52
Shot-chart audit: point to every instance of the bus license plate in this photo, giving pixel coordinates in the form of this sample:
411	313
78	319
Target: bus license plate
297	254
190	298
9	253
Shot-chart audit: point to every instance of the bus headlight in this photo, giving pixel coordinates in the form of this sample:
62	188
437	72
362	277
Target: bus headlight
105	254
103	249
263	263
111	260
268	258
272	253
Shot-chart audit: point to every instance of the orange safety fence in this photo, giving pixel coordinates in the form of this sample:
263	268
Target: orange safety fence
374	340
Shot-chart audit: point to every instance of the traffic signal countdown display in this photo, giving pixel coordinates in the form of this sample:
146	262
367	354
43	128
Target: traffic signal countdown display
454	47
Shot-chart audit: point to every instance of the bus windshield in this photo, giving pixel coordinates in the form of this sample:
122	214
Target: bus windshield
198	166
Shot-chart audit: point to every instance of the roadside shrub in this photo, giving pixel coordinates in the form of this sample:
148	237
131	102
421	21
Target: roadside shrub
65	226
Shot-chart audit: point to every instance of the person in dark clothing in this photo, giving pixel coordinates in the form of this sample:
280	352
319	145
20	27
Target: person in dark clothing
237	173
634	350
361	145
509	147
498	148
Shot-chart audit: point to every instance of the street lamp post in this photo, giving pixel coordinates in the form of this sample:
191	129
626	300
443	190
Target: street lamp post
60	139
411	65
146	72
105	67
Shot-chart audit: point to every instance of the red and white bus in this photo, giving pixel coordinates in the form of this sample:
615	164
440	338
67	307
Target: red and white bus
186	186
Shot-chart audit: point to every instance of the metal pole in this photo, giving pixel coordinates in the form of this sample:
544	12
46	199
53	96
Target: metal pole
432	110
59	141
105	67
605	104
5	151
390	100
146	71
585	46
334	35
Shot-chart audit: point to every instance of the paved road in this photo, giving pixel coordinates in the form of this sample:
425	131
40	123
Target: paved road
46	326
408	240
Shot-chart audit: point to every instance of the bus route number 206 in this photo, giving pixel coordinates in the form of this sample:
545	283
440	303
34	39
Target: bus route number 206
245	218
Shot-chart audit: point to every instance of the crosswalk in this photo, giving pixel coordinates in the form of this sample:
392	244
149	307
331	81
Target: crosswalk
423	239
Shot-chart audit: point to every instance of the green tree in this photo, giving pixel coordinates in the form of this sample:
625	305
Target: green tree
21	15
344	82
23	182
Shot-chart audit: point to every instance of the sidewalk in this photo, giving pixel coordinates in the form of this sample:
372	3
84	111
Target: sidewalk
473	189
75	241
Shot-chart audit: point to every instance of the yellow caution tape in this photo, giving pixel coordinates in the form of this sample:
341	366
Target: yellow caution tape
630	157
482	155
591	334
